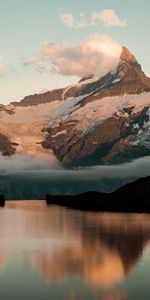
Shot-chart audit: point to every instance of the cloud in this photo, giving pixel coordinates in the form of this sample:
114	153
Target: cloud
97	55
2	66
67	19
107	17
71	22
39	66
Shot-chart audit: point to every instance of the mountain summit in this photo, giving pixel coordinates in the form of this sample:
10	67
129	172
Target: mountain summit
128	57
95	121
127	78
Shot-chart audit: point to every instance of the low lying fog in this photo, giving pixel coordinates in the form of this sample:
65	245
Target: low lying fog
32	177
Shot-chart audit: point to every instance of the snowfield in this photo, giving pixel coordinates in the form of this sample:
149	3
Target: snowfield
26	124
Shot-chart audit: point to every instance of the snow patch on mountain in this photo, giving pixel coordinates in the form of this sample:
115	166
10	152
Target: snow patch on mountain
116	80
66	107
107	107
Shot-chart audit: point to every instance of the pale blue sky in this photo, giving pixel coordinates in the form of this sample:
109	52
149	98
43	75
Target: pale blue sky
26	25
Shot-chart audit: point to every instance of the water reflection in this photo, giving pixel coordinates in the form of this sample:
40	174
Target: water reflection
97	250
115	296
101	248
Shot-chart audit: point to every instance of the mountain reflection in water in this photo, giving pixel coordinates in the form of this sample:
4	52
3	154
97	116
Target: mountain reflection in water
82	252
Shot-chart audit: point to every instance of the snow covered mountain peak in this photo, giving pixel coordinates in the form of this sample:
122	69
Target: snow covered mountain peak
126	57
95	121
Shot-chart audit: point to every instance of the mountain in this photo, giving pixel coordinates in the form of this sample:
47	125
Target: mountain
133	197
95	121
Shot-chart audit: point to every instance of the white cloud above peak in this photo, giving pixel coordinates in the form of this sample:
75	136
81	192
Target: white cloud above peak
106	17
96	55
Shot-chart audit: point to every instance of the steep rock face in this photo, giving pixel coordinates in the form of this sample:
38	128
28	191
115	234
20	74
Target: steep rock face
116	139
6	148
128	57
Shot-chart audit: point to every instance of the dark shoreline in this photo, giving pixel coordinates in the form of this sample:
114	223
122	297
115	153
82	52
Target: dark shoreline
133	197
101	204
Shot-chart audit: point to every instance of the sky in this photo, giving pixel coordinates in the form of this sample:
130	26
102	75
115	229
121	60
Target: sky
40	40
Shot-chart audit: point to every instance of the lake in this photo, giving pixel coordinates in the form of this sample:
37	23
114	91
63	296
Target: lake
56	253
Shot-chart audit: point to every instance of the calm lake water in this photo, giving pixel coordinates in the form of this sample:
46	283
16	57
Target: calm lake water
57	253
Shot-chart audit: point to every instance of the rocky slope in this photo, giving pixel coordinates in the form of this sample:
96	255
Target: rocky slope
96	121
